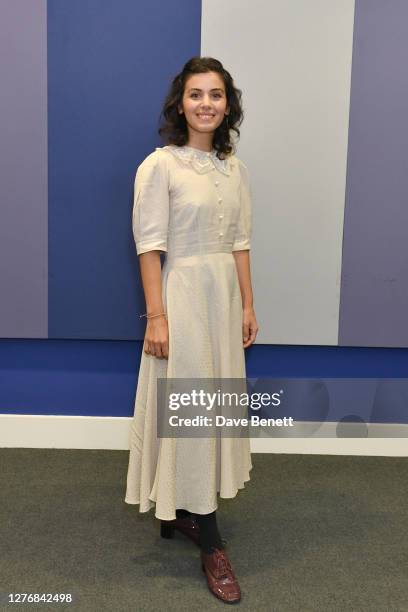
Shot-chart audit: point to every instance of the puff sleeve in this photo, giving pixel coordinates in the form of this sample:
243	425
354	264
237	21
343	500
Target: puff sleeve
150	215
242	239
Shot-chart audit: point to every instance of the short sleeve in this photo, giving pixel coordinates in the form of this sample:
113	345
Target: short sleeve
242	239
150	215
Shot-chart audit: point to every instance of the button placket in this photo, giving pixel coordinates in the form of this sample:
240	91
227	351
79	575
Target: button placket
221	216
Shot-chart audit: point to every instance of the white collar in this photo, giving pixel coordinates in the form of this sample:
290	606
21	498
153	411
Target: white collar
202	161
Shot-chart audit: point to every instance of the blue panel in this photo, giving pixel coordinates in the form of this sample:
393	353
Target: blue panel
109	67
374	288
81	378
94	378
23	170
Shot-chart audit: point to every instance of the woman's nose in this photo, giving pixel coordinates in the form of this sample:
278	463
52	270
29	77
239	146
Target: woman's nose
206	102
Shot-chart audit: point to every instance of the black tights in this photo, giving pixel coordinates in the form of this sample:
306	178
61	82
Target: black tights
209	535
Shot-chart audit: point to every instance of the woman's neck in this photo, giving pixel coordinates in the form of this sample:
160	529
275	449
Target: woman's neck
204	142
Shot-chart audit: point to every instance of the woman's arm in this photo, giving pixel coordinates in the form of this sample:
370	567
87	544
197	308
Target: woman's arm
244	277
156	341
249	324
150	218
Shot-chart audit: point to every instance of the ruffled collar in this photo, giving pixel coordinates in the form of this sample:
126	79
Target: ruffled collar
202	161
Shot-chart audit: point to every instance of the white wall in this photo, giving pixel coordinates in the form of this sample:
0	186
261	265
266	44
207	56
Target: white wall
292	60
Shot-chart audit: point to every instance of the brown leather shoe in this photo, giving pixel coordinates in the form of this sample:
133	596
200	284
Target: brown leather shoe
221	579
186	525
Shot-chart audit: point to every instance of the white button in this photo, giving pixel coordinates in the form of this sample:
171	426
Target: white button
217	183
220	216
221	234
220	200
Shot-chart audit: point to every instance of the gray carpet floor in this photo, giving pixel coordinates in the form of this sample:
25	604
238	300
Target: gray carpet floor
308	533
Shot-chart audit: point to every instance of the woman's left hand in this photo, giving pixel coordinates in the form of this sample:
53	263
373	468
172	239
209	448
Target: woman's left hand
249	326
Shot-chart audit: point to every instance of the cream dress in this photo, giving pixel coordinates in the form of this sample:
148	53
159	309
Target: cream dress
197	209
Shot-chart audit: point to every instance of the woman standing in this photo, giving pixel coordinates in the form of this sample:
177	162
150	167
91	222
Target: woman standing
193	202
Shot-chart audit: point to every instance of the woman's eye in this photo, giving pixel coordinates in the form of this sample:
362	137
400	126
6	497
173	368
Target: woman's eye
215	95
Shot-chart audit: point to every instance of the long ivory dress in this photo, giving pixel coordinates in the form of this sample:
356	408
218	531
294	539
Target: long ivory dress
197	209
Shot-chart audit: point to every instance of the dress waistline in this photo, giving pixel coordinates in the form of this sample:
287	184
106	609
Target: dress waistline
200	258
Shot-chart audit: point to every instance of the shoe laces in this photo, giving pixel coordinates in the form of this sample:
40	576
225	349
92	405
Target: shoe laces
223	563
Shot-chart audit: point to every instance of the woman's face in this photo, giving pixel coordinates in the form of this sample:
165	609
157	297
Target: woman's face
204	101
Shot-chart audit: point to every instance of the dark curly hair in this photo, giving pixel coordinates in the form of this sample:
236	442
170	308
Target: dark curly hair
174	129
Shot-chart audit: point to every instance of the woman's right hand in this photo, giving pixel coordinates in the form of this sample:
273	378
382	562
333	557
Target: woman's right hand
156	340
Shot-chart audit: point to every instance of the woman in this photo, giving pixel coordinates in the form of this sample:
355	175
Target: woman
192	201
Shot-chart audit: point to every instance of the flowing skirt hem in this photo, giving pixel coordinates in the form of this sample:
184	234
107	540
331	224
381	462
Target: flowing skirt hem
147	505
